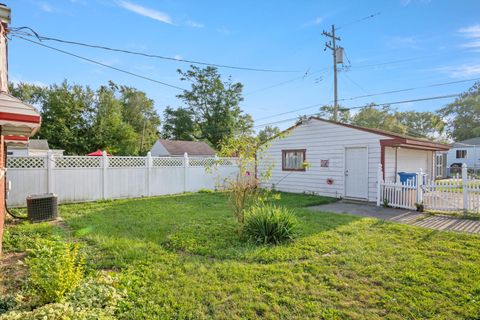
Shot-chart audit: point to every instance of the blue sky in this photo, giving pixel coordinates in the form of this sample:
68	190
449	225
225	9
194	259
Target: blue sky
408	44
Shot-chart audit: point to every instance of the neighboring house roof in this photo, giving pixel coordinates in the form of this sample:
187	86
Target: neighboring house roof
194	148
397	138
467	143
38	144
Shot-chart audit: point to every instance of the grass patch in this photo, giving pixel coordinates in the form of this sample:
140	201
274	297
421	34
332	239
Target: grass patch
180	257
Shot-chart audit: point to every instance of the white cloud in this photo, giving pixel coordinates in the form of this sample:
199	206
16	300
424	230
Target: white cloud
224	31
45	7
146	12
473	33
460	71
403	42
194	24
177	57
407	2
314	22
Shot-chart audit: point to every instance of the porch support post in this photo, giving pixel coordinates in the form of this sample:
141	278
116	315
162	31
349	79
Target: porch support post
465	187
379	183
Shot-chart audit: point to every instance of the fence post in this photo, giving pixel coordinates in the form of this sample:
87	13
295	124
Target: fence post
50	166
465	187
104	174
149	171
418	186
186	164
379	183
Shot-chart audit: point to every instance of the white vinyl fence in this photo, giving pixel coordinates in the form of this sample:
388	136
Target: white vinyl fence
84	178
435	195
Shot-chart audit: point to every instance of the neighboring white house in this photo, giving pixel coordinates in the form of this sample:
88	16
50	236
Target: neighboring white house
34	147
342	160
466	151
177	148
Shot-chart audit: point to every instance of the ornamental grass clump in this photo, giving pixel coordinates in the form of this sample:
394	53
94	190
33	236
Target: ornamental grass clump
269	224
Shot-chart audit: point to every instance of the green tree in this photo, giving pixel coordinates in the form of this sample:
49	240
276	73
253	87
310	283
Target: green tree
463	115
267	133
178	124
110	130
214	105
327	113
140	113
383	118
78	119
423	124
67	115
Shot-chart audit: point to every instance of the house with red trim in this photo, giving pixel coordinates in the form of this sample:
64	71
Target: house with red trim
341	160
18	120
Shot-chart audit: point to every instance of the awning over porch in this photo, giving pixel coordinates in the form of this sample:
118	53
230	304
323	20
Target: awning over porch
18	120
411	143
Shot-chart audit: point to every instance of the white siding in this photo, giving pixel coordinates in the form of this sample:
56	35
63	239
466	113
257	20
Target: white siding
408	160
390	163
322	141
327	141
472	160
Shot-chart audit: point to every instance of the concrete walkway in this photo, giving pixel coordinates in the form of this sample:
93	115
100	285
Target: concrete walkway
436	222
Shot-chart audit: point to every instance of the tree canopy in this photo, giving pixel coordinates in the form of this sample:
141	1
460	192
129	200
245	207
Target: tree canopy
212	104
414	123
463	115
79	120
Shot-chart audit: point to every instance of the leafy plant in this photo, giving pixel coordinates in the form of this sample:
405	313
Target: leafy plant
420	206
386	203
269	224
55	269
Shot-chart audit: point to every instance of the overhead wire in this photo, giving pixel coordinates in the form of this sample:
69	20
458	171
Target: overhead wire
101	63
144	54
357	107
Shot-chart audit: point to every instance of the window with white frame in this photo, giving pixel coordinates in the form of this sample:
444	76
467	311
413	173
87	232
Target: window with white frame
293	160
461	154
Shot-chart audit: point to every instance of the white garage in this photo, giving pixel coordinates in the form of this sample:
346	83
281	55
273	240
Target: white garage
341	160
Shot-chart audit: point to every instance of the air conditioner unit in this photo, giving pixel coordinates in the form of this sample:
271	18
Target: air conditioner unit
42	207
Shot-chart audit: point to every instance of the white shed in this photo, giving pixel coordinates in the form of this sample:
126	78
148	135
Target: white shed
341	160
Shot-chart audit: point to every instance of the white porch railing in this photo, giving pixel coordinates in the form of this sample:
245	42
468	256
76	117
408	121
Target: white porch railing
435	195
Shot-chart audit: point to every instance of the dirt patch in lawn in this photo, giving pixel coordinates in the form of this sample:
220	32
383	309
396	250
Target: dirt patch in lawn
13	271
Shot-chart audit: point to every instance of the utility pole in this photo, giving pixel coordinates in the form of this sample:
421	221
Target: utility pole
331	44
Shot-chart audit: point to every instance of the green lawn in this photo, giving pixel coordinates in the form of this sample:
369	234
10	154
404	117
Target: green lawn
180	257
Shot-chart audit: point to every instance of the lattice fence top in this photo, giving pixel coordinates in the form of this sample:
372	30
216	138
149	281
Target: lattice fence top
127	162
167	162
78	162
67	162
202	162
26	162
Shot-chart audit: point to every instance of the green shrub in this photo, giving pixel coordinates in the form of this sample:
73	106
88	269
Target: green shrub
95	298
55	268
269	224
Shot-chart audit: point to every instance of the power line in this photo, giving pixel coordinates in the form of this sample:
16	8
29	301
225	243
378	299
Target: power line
371	95
359	107
306	75
101	64
410	89
359	20
149	55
